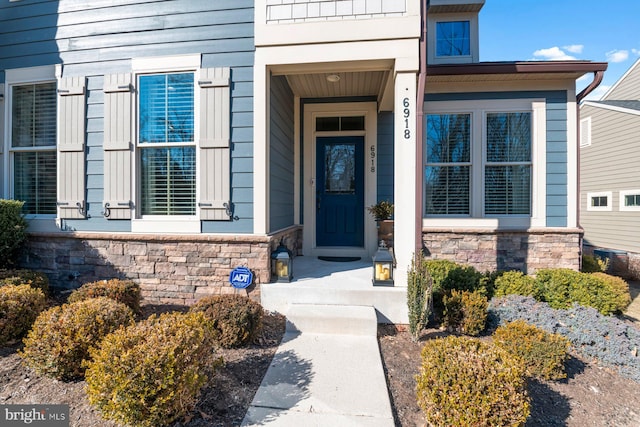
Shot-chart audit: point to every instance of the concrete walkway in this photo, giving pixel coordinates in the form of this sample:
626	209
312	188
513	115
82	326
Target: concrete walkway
633	311
326	372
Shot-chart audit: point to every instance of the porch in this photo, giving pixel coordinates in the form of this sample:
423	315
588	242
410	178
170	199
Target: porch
321	282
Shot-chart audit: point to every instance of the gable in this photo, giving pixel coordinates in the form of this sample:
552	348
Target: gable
627	87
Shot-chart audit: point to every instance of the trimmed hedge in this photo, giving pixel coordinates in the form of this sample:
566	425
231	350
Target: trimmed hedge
466	382
150	374
124	291
20	305
465	312
235	320
13	231
62	336
516	282
35	279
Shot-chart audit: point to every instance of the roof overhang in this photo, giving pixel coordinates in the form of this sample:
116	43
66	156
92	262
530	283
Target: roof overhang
537	70
455	6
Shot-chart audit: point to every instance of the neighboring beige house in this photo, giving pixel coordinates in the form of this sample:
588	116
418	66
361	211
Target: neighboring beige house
610	174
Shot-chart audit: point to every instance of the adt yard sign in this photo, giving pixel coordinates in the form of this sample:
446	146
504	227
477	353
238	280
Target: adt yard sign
241	277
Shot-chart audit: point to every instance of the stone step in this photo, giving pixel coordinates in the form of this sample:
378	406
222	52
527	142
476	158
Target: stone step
332	319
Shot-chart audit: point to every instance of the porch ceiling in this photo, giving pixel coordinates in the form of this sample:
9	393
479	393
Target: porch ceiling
368	83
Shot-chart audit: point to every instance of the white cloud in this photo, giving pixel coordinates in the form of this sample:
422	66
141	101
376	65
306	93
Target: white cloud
635	52
617	55
574	48
553	54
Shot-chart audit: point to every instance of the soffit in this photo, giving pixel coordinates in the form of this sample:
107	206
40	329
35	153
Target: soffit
369	83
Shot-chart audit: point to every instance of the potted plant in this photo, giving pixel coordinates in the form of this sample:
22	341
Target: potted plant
382	213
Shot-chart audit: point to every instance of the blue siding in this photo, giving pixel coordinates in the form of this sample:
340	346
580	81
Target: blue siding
281	155
385	157
557	179
100	37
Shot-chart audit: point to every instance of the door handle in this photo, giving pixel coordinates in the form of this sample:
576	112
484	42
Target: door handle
318	201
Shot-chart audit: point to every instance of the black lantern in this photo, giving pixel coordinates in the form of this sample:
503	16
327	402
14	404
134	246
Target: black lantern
383	266
282	264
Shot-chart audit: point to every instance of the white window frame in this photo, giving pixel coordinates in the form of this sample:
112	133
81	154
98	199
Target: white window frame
432	36
585	132
18	77
607	194
478	110
162	223
623	206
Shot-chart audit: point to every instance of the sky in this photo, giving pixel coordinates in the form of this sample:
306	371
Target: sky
595	30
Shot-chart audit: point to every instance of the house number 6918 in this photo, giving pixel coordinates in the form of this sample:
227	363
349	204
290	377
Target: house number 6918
406	113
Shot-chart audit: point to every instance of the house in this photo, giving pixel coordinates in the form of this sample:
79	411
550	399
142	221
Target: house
171	141
609	174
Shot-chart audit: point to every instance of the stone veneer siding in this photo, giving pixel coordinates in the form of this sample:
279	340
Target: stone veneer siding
170	269
621	263
491	250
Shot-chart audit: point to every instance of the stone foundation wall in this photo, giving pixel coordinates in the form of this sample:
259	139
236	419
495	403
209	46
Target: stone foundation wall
176	269
491	250
621	263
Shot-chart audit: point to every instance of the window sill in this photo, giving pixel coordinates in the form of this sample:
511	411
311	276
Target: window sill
503	223
166	225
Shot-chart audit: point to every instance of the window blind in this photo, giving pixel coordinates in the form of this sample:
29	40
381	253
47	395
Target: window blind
33	115
34	181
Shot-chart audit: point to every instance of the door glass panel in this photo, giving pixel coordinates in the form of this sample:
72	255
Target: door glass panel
339	161
327	124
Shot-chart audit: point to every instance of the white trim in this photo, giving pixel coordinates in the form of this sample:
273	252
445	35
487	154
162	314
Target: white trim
478	110
173	224
612	107
296	160
585	137
607	208
573	195
311	111
17	77
166	64
434	19
623	207
160	223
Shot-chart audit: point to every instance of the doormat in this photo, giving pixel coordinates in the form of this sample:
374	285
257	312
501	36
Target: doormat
340	258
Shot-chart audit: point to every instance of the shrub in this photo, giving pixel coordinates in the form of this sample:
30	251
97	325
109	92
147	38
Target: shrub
465	312
236	320
13	231
447	275
611	341
35	279
62	336
543	353
563	287
19	308
418	296
516	282
150	374
594	264
466	382
124	291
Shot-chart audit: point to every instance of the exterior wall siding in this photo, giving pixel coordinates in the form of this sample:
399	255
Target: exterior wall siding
628	89
557	143
385	156
610	164
281	155
288	11
100	37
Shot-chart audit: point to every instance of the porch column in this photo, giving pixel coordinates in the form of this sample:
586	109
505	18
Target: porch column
404	174
260	144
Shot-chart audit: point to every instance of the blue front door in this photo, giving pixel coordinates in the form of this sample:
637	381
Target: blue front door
340	191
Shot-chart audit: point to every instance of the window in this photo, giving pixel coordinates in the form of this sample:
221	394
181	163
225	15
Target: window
166	144
585	132
33	146
599	201
448	167
480	162
453	38
630	200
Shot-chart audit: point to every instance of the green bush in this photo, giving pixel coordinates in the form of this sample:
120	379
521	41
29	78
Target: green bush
418	296
35	279
543	354
13	231
466	382
465	312
594	264
448	275
236	320
516	282
124	291
20	305
62	336
150	374
561	288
